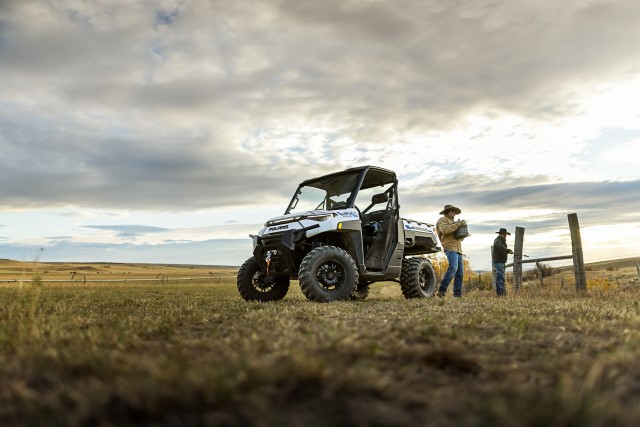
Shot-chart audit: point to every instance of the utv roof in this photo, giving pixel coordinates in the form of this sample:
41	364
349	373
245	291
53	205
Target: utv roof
375	176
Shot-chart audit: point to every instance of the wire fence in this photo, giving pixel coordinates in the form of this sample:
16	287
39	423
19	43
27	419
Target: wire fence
81	278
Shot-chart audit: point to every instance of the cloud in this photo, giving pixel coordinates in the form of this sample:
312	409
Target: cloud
621	154
129	230
181	106
210	252
599	201
614	197
335	62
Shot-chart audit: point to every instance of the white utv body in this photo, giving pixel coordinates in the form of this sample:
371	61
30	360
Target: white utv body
340	233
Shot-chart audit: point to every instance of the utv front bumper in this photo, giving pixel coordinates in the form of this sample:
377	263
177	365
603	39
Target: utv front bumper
276	252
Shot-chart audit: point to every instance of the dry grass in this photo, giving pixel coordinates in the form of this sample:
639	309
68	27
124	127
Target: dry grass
194	353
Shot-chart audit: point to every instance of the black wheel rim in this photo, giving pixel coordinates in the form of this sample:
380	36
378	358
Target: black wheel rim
331	275
262	283
425	279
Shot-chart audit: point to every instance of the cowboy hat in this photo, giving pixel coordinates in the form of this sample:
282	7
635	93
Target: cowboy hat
503	231
448	208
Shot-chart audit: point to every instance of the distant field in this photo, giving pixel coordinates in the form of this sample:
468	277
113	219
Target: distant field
192	353
82	272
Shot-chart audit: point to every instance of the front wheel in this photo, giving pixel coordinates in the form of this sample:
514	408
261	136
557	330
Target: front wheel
255	285
418	279
328	273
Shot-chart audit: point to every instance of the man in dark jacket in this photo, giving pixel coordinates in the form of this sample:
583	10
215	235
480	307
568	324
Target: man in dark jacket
499	258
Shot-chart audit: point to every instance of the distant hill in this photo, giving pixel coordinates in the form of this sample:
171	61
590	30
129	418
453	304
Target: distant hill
615	263
599	265
604	265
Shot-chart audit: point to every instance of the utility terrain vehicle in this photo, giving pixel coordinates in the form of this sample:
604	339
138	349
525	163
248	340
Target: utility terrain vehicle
340	233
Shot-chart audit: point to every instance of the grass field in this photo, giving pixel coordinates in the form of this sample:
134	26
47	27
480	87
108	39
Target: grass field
192	353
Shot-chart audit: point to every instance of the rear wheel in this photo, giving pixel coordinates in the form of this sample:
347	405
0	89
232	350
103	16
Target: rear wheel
255	285
328	273
418	279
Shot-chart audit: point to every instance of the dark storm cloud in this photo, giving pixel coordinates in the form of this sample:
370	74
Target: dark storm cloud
445	58
613	196
137	105
173	173
596	203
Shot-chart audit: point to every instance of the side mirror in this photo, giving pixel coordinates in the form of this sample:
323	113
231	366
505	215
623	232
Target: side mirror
379	198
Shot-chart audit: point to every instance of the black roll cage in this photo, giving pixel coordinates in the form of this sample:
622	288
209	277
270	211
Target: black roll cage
365	180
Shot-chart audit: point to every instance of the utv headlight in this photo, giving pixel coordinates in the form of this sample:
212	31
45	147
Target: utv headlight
322	217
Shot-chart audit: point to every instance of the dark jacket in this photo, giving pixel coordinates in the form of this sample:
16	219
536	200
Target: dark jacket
500	250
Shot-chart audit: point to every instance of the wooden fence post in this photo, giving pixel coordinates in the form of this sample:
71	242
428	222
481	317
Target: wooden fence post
638	268
576	248
517	259
539	268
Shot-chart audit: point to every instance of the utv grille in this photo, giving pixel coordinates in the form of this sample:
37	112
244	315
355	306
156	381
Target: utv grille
283	221
272	239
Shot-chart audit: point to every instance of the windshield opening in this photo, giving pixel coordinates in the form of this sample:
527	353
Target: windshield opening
327	193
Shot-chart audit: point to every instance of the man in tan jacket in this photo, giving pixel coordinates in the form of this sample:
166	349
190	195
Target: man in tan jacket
446	227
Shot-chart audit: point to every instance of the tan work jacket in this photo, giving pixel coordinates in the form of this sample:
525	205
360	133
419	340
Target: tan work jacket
446	228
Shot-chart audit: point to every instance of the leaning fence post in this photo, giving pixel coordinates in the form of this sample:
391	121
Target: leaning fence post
638	268
517	259
576	248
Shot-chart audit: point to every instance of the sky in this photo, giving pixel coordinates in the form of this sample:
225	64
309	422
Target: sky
168	131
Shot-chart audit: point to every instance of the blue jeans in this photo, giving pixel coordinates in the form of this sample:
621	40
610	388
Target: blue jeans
455	272
500	290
